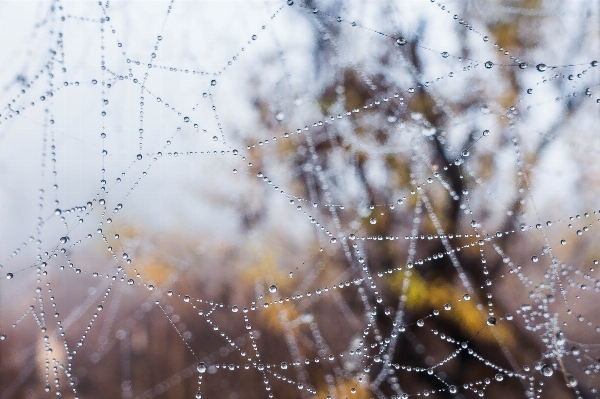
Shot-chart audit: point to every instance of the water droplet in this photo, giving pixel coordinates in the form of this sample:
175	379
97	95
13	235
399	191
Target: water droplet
130	281
99	308
499	377
447	306
400	41
63	240
491	321
333	240
284	366
234	309
489	64
485	38
571	381
445	54
139	156
594	63
373	221
186	119
534	258
486	133
201	367
9	276
420	322
280	116
547	371
213	82
290	2
522	65
273	289
467	297
541	67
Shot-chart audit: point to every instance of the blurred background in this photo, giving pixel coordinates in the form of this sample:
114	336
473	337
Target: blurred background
299	199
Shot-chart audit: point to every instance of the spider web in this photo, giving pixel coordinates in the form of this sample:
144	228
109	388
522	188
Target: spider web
299	199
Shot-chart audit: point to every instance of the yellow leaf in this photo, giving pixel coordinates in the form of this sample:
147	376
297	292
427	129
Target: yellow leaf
424	295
